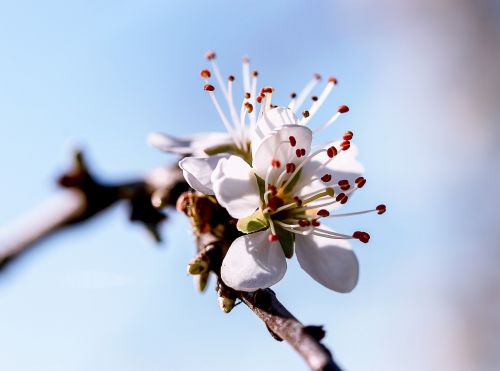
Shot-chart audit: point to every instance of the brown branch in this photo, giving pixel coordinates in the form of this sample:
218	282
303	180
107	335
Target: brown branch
85	197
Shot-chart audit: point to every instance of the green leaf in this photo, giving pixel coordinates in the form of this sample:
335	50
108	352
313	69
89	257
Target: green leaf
287	241
252	223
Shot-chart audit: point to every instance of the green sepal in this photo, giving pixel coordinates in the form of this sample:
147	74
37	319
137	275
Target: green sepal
231	149
253	223
287	241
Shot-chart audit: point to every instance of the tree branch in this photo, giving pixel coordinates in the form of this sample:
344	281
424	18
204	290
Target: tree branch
85	197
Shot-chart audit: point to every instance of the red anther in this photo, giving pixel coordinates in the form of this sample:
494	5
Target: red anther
210	55
342	198
255	73
275	163
317	76
345	145
305	114
249	107
362	236
302	151
298	201
298	152
326	178
267	90
344	184
293	95
292	140
332	80
205	73
259	99
290	167
315	223
272	189
360	182
275	202
208	87
380	209
331	152
323	213
348	135
230	78
304	223
343	109
314	98
247	95
273	238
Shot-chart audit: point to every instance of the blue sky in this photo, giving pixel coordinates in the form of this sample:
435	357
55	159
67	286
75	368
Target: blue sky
106	73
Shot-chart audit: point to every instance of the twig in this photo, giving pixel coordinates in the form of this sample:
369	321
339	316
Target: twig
86	197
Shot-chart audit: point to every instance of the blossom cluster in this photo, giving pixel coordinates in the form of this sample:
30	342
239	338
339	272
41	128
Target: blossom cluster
268	173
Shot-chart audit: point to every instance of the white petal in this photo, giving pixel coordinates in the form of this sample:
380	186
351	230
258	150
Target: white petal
235	187
198	171
330	262
271	120
343	166
273	147
190	145
252	263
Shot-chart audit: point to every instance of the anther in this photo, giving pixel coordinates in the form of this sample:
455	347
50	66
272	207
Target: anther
210	55
205	73
271	188
331	152
345	145
267	90
249	107
304	223
247	95
302	151
380	209
230	78
275	163
273	238
360	182
275	202
343	109
298	152
298	201
305	114
333	80
314	98
245	59
293	95
208	87
317	76
326	178
342	198
255	73
323	213
348	135
344	184
315	223
290	167
362	236
259	99
292	140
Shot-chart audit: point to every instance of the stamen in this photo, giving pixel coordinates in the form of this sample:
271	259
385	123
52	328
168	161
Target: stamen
344	184
319	101
332	152
323	213
292	140
342	198
380	209
290	168
360	182
326	178
295	104
345	145
205	73
347	135
273	238
331	120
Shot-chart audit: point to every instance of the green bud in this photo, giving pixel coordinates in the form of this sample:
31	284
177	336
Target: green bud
201	281
199	264
225	304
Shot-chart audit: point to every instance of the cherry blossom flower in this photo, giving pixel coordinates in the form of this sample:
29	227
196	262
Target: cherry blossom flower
281	201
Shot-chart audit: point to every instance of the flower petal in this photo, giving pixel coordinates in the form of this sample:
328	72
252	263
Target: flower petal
235	187
330	262
198	171
271	120
252	262
343	166
190	145
276	146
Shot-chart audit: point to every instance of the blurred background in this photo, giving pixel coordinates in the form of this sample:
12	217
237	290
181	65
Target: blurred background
422	79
